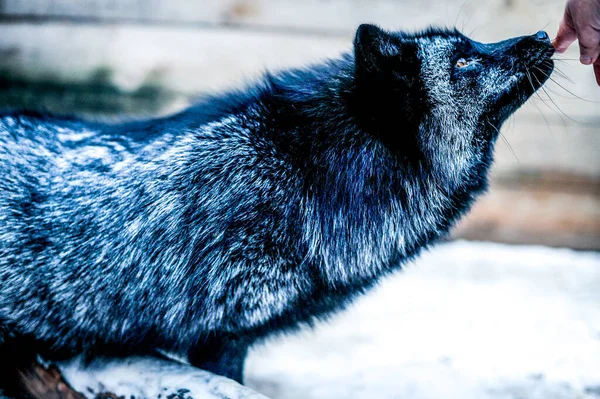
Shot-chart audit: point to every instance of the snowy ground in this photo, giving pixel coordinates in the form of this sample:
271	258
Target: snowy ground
466	320
150	378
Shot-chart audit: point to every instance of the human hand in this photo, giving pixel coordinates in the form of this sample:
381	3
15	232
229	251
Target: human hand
581	21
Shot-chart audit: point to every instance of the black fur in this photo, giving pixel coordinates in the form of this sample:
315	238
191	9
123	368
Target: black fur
252	212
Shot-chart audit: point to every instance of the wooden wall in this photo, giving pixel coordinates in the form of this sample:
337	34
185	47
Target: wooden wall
547	177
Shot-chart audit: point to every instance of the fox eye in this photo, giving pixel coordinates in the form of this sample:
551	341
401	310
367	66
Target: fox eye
462	63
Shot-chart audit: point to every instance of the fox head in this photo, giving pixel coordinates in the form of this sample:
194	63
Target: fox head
441	97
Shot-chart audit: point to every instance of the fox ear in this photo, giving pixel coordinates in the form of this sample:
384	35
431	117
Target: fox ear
372	45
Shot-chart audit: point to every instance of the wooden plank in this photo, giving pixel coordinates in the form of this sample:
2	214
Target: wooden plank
320	15
41	382
23	376
196	60
186	60
131	10
332	15
541	212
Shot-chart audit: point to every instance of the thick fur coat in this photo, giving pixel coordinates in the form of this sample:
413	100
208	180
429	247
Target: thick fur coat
251	212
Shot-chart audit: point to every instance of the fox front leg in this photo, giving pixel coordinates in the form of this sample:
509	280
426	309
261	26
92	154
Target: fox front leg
223	355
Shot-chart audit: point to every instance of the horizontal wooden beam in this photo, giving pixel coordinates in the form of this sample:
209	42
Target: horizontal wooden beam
333	15
191	61
490	19
541	211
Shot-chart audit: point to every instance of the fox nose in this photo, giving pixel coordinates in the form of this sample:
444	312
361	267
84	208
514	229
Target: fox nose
543	36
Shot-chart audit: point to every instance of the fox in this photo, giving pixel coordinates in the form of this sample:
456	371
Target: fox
255	211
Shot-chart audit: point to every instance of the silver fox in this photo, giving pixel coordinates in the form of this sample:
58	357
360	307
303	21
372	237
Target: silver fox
255	211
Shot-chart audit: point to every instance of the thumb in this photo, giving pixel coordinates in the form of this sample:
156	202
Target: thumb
564	37
589	45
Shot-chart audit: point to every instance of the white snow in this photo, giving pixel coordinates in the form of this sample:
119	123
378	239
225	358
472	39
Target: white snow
466	320
144	377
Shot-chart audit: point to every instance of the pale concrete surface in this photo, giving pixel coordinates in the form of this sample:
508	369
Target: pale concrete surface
465	321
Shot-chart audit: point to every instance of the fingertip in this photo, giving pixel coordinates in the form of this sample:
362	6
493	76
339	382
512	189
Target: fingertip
562	42
557	44
559	48
588	56
585	59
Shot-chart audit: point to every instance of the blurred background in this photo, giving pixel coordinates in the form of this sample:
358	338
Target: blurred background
474	320
104	58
